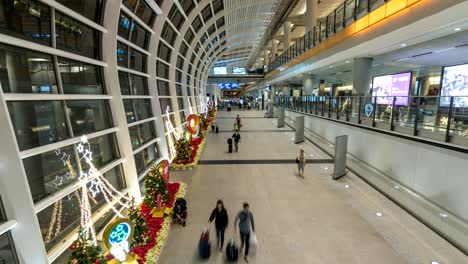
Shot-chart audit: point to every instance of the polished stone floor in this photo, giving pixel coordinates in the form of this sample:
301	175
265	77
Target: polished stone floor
298	220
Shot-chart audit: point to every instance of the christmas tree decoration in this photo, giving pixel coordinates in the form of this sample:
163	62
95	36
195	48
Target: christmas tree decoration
141	235
85	252
184	151
155	185
203	122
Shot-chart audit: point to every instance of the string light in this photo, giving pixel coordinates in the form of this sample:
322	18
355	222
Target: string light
170	128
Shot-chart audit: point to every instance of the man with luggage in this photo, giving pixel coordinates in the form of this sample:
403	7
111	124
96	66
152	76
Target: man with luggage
246	226
236	137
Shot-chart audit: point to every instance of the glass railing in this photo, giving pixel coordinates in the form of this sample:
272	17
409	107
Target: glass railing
346	14
436	118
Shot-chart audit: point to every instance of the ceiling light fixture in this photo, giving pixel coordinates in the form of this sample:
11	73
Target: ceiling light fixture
404	45
457	29
379	214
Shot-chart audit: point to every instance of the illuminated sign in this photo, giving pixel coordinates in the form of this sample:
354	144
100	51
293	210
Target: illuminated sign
220	70
117	237
238	70
228	85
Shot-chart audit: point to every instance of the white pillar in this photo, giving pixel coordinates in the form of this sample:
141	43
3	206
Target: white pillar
265	58
362	75
16	196
287	34
311	15
274	49
116	103
307	86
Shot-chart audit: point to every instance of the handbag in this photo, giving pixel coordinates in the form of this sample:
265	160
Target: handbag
297	160
253	243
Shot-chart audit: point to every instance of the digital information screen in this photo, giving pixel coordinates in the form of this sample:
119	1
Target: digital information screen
239	70
455	83
389	86
220	70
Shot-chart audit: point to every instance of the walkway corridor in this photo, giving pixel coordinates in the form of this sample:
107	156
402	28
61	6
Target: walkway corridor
313	220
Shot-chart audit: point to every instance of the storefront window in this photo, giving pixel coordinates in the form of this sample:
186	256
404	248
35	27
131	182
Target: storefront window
80	78
88	116
50	172
25	71
76	37
38	123
88	8
27	19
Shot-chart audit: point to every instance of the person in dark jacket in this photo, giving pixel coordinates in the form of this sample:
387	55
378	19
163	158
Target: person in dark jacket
220	216
237	139
246	223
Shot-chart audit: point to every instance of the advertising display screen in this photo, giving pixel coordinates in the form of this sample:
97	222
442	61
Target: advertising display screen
455	83
387	86
220	70
228	85
239	70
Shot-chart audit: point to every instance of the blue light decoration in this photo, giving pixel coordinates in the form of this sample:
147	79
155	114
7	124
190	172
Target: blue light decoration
369	109
119	233
117	238
234	85
228	85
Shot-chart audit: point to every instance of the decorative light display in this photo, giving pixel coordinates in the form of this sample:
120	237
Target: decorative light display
193	123
190	107
170	128
117	238
369	108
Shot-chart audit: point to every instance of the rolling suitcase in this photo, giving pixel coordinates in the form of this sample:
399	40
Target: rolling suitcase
232	251
229	141
217	129
204	246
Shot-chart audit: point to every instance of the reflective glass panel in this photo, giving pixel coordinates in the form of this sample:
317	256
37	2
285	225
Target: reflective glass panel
144	12
137	61
139	162
38	123
163	88
124	25
88	116
88	8
139	36
122	55
104	150
25	71
80	78
7	249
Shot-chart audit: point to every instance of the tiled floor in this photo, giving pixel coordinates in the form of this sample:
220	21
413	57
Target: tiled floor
310	220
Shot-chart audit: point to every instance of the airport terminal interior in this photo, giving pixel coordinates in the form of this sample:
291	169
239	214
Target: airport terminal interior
233	131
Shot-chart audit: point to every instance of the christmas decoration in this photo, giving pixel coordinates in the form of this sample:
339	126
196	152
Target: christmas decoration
141	235
164	169
117	239
193	123
85	252
155	185
184	151
203	122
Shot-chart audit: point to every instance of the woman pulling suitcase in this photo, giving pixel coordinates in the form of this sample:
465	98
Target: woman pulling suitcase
220	216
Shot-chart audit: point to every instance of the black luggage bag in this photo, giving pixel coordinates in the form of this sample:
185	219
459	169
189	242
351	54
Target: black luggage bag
204	246
217	130
232	251
229	141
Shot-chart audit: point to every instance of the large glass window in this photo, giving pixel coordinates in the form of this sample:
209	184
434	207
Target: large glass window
211	29
124	25
88	8
38	123
7	249
27	19
189	36
187	6
164	52
142	133
88	116
179	90
25	71
218	6
220	22
206	13
139	36
166	102
137	61
50	172
137	109
162	70
139	162
138	84
163	88
104	151
80	78
176	17
178	77
122	54
130	4
145	13
76	37
151	153
168	34
196	24
183	49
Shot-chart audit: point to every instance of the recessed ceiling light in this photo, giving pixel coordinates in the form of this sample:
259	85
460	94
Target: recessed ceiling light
379	214
434	262
443	215
347	61
331	66
346	186
404	45
457	29
396	187
326	168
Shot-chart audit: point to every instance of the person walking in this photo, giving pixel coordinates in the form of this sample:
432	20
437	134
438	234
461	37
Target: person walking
236	137
301	160
246	223
238	122
220	216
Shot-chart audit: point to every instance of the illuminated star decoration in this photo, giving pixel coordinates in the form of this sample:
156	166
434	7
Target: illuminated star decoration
444	121
170	128
58	181
94	188
65	158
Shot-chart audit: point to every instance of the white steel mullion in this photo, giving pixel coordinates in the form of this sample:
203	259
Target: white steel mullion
142	121
147	144
49	147
65	10
120	68
43	204
167	44
7	226
136	97
154	6
136	18
73	235
132	45
49	50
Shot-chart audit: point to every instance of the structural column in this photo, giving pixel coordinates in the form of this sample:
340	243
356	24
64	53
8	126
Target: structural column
307	86
287	35
311	15
274	49
265	58
362	75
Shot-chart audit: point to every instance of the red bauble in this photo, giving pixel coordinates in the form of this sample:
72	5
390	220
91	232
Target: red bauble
73	247
97	261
